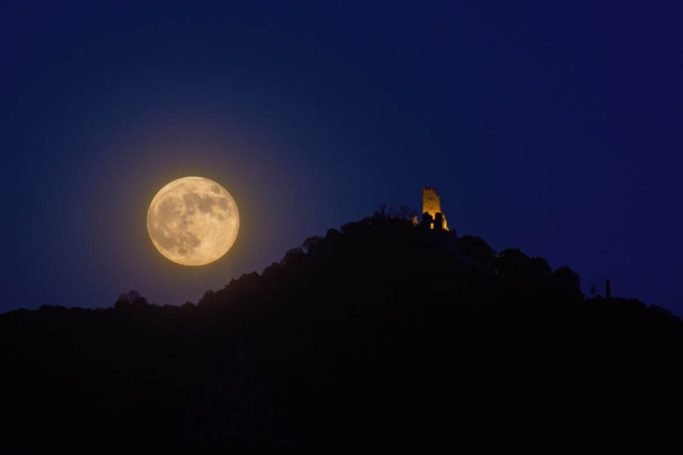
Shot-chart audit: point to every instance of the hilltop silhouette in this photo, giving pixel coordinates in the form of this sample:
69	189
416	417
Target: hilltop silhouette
381	333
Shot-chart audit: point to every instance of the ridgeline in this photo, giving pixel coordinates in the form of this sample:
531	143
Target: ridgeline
378	334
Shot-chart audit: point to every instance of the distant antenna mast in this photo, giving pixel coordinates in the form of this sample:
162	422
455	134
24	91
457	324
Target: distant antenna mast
608	289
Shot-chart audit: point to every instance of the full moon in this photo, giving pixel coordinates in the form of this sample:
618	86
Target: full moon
193	221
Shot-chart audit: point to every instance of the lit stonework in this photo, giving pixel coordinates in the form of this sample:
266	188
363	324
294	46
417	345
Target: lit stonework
431	210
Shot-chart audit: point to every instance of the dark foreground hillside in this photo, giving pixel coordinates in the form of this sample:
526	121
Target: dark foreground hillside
380	334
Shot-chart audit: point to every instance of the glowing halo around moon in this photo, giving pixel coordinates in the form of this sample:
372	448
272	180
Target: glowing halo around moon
193	221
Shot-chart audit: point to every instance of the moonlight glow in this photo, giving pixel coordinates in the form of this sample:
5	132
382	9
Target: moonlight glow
193	221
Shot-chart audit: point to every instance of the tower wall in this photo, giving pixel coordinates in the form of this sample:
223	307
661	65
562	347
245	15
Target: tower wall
431	204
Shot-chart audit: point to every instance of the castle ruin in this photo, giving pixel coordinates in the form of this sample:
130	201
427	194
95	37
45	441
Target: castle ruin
432	216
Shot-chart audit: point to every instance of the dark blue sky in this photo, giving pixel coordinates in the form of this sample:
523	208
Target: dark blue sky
552	127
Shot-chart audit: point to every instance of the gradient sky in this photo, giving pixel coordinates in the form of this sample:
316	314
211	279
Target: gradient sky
555	127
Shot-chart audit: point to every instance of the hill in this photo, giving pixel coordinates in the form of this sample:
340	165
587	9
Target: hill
380	333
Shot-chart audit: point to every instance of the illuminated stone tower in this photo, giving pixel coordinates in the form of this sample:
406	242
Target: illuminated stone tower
432	216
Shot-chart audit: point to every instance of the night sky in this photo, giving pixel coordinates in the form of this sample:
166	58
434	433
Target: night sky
554	128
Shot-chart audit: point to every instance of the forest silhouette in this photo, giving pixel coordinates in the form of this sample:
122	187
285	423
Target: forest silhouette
379	334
